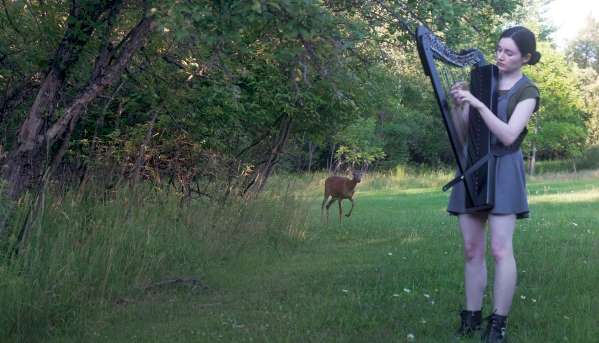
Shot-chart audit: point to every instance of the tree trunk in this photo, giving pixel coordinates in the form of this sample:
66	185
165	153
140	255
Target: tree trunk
25	163
140	163
331	158
259	180
532	159
533	152
311	149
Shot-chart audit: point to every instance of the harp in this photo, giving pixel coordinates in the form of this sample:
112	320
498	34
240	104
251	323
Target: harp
473	155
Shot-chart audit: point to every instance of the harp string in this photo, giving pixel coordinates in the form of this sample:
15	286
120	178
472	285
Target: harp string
449	76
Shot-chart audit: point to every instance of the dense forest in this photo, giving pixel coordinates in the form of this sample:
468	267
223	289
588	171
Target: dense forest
211	97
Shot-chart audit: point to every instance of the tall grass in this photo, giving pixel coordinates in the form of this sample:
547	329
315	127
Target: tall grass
276	273
86	250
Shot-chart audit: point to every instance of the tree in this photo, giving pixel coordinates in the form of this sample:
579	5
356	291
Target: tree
42	130
584	50
358	145
558	129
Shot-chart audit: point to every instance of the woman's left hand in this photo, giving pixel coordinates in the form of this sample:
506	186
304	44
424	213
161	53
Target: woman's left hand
462	96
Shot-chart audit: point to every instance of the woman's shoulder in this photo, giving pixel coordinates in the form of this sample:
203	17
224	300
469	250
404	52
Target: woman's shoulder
529	84
527	89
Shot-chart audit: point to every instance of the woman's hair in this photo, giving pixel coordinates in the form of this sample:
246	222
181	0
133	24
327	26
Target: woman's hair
525	41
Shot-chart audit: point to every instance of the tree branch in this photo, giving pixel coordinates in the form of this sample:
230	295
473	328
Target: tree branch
134	40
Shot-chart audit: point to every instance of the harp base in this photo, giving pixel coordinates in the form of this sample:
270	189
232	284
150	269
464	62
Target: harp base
462	178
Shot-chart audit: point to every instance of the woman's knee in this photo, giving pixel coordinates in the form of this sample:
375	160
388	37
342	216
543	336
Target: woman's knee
501	251
474	250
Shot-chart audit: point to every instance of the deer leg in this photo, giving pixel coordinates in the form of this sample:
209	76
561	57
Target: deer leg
340	211
327	207
352	207
330	202
322	207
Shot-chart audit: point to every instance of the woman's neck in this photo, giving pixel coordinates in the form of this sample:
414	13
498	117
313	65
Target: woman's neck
509	79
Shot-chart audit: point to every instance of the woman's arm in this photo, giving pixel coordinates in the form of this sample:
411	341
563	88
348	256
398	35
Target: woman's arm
507	133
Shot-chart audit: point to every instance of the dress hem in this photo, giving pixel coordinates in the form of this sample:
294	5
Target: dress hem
519	215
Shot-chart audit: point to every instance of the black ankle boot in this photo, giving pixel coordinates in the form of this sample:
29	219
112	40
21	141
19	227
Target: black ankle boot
496	329
471	321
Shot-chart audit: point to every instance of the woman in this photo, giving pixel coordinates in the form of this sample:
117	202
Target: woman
518	98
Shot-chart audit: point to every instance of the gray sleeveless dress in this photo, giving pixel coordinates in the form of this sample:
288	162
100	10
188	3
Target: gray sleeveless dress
510	183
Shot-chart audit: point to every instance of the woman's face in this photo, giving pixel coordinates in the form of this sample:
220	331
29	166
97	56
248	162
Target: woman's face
508	56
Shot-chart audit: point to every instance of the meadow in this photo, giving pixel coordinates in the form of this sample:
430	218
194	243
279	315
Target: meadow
99	267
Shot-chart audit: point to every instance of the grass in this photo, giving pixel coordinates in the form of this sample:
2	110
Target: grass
275	273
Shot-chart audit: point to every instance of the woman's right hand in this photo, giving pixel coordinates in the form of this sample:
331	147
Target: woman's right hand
461	85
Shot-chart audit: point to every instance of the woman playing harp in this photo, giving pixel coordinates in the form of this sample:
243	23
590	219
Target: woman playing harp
518	98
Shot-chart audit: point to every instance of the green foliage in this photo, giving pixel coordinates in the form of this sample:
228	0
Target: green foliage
221	75
28	40
586	160
558	128
589	85
554	166
584	51
589	159
358	145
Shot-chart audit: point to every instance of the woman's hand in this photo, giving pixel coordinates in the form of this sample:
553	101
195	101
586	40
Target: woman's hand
462	96
454	88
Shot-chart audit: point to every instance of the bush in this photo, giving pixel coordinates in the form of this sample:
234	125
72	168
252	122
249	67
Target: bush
554	166
589	158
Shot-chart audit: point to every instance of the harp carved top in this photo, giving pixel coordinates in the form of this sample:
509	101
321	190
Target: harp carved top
469	57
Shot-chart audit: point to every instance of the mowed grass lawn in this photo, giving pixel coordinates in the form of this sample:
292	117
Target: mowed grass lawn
393	272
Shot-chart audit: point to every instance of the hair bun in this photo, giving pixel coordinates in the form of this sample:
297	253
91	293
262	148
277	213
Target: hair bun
536	56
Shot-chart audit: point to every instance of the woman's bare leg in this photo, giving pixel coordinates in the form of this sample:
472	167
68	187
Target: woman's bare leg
502	232
475	268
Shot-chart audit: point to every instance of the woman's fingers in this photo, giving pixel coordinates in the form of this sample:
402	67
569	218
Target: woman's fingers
460	85
457	97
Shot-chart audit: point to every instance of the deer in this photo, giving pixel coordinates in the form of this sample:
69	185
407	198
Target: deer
339	188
